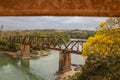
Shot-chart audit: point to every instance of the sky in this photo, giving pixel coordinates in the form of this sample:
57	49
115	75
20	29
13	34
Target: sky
50	22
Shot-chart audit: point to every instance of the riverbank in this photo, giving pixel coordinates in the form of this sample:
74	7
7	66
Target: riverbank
11	54
31	56
68	74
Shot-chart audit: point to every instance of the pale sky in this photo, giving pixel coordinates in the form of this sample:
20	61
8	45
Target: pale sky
50	22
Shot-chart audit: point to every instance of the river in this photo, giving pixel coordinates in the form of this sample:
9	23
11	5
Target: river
42	68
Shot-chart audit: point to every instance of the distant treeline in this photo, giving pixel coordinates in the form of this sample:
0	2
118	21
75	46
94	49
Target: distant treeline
80	34
77	34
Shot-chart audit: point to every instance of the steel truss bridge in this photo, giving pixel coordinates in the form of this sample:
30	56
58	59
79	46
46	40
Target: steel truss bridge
54	43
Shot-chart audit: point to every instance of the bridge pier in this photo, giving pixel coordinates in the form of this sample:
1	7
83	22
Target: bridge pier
25	51
64	62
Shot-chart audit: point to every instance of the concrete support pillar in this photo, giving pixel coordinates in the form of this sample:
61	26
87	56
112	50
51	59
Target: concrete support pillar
64	62
25	50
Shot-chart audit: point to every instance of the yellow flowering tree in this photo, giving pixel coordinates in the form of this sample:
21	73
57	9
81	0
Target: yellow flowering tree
103	51
106	40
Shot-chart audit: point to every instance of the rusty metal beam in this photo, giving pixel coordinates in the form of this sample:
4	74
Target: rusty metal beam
48	43
60	7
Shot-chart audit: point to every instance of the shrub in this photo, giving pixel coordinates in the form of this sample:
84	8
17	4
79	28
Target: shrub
14	47
99	67
3	42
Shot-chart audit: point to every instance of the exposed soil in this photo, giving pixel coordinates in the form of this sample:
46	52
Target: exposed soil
67	75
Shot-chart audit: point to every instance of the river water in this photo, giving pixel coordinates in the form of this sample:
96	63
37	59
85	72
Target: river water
42	68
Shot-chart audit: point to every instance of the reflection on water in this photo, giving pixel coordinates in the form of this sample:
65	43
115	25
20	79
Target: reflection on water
16	70
33	69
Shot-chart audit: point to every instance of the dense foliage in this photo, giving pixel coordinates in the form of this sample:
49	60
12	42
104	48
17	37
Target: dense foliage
99	67
76	34
14	47
106	40
6	46
103	52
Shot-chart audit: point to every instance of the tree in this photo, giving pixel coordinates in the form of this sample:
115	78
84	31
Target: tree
100	67
106	40
103	52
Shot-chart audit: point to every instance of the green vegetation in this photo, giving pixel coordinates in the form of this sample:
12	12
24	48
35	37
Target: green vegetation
77	34
14	47
99	67
103	52
105	41
6	46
